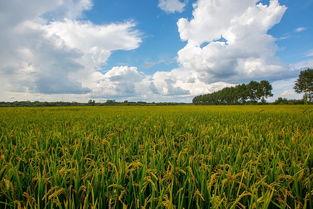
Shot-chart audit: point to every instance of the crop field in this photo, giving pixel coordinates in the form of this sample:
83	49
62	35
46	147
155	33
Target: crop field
157	157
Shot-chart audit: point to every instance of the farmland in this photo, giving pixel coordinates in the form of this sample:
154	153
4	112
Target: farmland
157	157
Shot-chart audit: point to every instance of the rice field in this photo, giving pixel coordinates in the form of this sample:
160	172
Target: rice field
157	157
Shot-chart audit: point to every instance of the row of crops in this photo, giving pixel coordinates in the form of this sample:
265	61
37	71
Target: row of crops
157	157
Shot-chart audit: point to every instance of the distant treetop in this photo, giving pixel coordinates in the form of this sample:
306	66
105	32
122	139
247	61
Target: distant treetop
252	92
304	84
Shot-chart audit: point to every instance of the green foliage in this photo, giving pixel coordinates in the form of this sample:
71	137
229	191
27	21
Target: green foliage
157	157
240	94
91	102
304	84
286	101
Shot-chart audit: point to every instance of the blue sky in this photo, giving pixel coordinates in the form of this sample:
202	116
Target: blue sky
160	50
293	45
161	38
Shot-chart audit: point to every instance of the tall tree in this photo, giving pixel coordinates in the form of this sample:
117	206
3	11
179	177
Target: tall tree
265	90
304	84
253	87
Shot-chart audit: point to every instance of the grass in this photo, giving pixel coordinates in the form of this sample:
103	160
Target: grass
157	157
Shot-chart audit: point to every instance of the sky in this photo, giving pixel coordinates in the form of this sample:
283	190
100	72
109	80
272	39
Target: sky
150	50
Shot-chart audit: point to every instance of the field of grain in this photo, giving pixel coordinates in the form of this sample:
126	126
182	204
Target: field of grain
157	157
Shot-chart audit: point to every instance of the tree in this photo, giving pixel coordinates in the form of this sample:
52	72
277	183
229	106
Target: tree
110	102
265	90
281	100
304	84
253	87
240	94
91	102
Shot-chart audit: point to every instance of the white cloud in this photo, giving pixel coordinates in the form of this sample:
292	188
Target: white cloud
77	7
94	42
236	44
300	29
121	81
184	82
284	89
302	64
129	82
29	62
125	81
42	55
309	53
172	6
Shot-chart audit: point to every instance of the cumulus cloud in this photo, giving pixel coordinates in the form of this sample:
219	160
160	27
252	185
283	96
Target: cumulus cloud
42	55
130	83
172	6
120	81
71	9
125	81
228	41
97	41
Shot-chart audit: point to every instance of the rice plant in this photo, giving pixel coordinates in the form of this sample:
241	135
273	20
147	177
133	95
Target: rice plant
157	157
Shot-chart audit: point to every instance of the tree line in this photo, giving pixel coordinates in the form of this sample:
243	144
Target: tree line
256	92
252	92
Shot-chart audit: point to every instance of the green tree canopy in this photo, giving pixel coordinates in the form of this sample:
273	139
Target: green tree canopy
304	84
252	92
